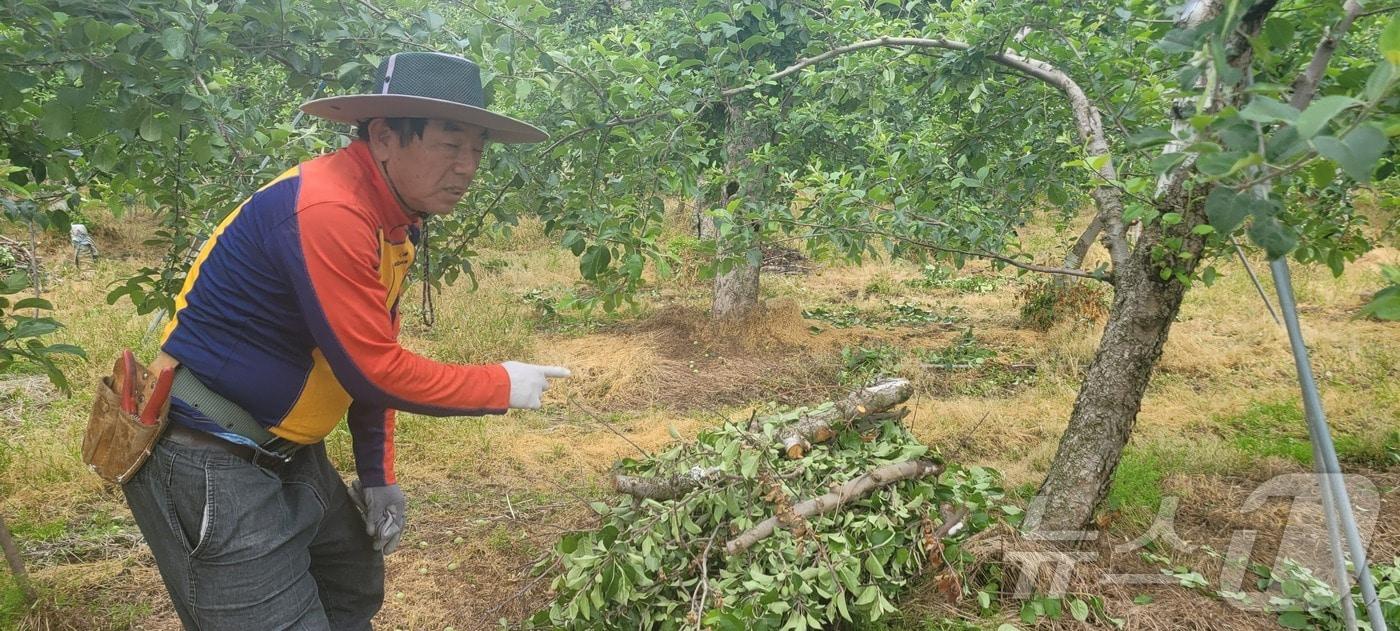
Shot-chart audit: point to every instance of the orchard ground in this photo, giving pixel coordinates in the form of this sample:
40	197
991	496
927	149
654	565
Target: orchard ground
489	496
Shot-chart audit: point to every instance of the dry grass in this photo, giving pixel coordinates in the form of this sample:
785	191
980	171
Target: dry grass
508	485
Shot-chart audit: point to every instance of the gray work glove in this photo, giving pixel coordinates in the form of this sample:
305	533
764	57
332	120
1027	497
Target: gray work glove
528	382
383	507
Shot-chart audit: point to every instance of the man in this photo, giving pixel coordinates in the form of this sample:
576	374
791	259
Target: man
288	321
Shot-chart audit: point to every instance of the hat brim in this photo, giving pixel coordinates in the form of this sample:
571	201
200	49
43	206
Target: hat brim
357	107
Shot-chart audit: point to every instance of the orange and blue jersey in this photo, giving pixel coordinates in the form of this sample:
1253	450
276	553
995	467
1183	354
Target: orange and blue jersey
291	312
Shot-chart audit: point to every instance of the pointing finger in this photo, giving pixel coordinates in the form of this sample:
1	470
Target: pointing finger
555	372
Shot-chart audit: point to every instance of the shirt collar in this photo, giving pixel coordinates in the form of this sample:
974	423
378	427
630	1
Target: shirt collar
381	198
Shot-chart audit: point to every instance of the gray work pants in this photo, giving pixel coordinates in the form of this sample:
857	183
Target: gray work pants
243	548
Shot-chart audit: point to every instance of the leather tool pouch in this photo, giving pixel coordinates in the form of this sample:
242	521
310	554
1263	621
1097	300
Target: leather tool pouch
117	443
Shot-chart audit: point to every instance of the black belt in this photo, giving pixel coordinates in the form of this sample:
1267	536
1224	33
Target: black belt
181	435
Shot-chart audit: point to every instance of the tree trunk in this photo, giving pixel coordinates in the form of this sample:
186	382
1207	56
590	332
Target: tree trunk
736	292
1144	307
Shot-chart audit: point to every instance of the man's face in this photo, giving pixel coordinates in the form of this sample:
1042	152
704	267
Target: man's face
431	173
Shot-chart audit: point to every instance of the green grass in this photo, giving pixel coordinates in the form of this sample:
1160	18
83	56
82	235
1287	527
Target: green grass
12	605
1279	430
1136	491
42	530
1271	430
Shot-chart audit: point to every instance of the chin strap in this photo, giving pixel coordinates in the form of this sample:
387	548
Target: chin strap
428	309
429	312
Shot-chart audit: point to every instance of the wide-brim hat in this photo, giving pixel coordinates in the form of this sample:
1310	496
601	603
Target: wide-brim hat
426	85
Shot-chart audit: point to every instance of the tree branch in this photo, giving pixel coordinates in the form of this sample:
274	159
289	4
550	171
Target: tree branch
1378	11
662	489
1305	86
852	490
1030	267
816	427
1075	257
611	123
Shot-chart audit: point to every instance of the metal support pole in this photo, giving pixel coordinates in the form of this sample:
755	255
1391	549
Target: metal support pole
1334	542
1329	470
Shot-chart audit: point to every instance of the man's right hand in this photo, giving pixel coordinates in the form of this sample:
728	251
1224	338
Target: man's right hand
529	381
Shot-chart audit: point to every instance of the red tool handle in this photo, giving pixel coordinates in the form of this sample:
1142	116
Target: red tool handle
158	396
127	383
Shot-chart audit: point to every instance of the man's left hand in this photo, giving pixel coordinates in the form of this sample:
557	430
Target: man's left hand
383	507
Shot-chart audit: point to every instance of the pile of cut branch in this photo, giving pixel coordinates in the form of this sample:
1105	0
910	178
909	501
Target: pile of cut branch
809	518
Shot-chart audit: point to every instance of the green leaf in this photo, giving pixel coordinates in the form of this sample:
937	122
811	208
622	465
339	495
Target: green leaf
594	261
174	40
1283	145
1270	234
748	464
433	20
201	150
1079	609
56	122
1150	138
1278	32
1322	111
1142	599
66	349
724	621
1218	164
1266	110
95	31
1389	42
1166	162
346	69
33	303
1029	612
1294	620
1357	153
1320	173
867	596
1385	306
33	327
712	19
1379	80
841	606
150	129
872	565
